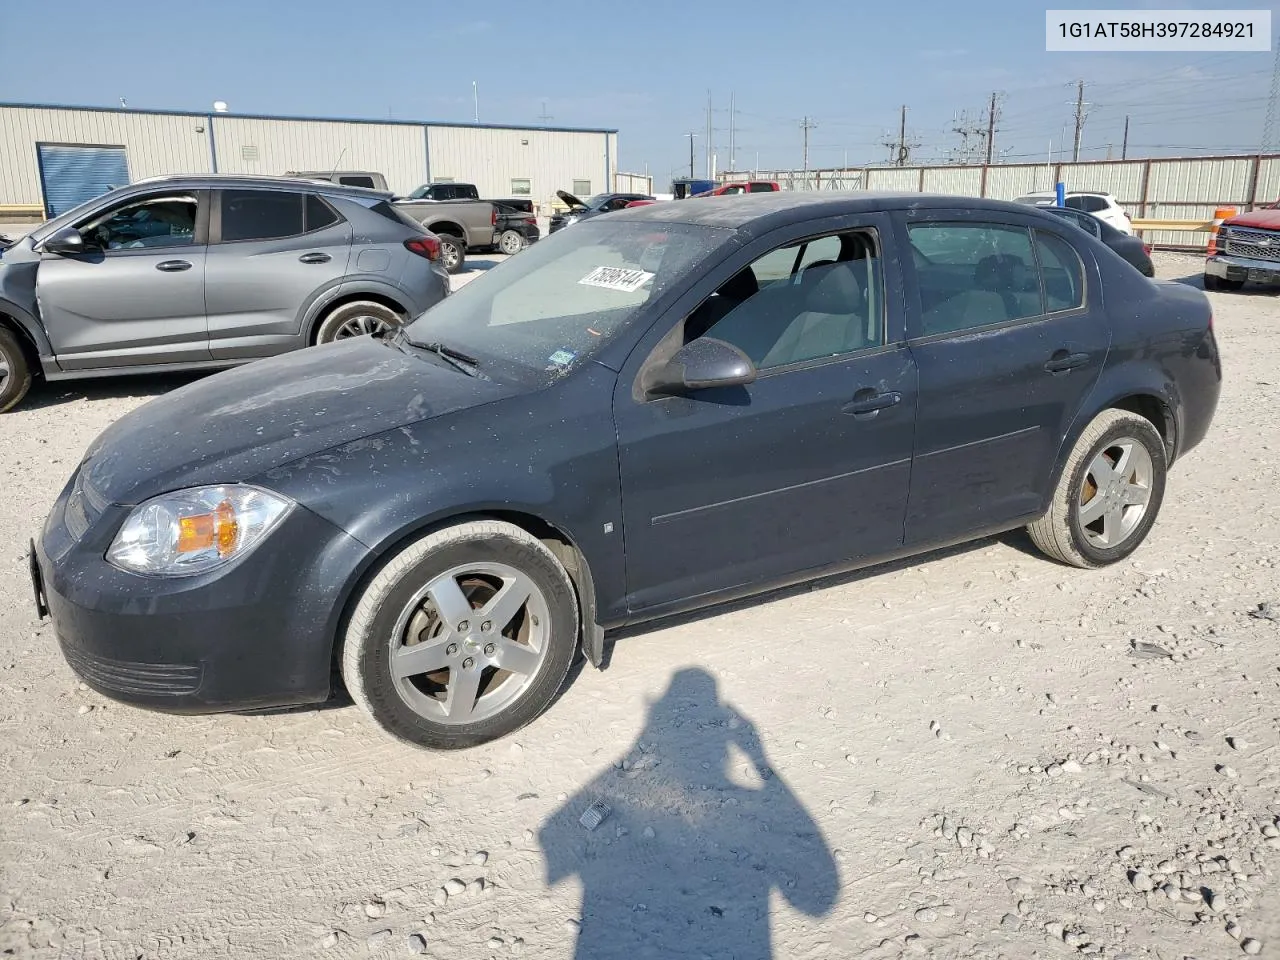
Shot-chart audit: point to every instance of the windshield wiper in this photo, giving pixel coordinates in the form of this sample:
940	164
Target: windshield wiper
455	358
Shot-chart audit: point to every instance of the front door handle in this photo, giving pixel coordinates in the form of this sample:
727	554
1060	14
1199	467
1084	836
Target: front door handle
315	258
1062	361
866	403
173	266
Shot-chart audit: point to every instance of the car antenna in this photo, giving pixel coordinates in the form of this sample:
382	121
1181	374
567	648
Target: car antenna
334	171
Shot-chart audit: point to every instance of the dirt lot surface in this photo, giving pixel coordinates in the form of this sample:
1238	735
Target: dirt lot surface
978	754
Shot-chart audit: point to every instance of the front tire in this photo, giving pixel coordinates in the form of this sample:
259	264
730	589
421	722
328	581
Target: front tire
360	318
15	371
1108	495
464	636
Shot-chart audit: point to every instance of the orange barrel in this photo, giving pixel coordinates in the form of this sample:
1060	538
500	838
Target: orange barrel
1219	215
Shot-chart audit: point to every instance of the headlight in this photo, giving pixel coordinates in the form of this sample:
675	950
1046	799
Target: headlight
192	531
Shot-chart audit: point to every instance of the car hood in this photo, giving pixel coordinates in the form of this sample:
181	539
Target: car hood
238	424
1269	219
571	200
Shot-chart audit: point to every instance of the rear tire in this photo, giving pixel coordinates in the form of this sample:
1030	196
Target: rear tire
464	636
15	371
1108	495
453	253
360	318
511	242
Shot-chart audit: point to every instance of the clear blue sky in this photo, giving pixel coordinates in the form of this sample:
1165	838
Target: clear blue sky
646	69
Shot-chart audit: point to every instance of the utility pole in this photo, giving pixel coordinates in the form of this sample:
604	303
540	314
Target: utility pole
709	129
691	135
732	146
1080	115
993	111
1124	145
805	127
901	158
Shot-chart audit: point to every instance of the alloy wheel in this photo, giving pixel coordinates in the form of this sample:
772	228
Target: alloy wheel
1115	493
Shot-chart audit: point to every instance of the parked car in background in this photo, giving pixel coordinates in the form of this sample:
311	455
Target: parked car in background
1246	247
586	209
1132	248
461	225
197	272
347	178
638	203
1102	205
725	380
444	190
742	186
686	187
514	230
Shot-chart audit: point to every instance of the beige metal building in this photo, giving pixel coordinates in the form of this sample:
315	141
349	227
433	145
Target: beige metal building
52	156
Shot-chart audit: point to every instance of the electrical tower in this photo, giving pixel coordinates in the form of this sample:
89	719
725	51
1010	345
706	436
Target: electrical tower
972	135
993	116
899	144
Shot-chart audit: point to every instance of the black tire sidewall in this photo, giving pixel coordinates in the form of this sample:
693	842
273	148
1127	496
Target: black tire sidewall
1143	432
385	702
18	381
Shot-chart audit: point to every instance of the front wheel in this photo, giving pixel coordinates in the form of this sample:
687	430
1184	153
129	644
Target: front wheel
464	636
1108	495
362	318
453	252
15	372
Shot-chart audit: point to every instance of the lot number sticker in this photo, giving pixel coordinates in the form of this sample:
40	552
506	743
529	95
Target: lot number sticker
617	278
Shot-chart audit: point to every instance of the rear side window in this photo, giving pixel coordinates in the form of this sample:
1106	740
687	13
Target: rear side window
973	274
260	215
357	182
319	214
1095	204
760	188
1062	271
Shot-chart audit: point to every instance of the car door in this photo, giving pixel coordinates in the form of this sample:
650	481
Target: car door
1009	334
136	295
804	468
271	253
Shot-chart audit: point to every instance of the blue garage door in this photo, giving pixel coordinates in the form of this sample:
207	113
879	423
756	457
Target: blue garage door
71	175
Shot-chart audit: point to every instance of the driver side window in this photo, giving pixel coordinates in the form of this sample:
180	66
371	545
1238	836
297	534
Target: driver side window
806	301
167	220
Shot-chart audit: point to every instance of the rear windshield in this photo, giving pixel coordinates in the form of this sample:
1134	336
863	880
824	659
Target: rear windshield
389	210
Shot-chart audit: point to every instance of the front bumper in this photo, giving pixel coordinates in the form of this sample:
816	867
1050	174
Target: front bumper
1242	268
257	633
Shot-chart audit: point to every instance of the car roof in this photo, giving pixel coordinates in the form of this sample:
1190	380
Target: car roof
761	211
249	181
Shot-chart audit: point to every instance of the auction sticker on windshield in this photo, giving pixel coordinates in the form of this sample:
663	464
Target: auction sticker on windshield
617	278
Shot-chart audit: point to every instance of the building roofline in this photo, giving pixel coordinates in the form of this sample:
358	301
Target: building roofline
209	114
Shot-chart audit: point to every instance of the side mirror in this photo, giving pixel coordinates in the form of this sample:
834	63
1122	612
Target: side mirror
65	240
702	365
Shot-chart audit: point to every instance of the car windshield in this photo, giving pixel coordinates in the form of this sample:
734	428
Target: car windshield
597	200
539	315
417	193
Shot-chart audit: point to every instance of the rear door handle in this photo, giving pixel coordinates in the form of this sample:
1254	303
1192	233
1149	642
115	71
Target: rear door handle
173	266
1062	361
869	401
315	258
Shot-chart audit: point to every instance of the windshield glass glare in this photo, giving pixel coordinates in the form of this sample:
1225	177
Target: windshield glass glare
540	314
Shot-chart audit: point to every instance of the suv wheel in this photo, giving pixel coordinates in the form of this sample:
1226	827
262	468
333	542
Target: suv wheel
15	371
361	318
463	636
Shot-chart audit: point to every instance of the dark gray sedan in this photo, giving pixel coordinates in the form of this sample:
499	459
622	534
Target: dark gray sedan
200	272
688	403
1129	247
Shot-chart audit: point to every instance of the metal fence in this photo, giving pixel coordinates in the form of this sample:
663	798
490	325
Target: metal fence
1178	188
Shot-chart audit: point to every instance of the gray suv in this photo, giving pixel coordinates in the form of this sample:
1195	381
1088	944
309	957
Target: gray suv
196	272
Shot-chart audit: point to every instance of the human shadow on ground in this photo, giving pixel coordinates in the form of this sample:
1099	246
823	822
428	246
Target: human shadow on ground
700	831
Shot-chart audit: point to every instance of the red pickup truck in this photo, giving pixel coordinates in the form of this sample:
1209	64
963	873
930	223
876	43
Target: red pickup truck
1246	247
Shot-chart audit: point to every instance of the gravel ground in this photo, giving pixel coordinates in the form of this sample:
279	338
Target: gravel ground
978	754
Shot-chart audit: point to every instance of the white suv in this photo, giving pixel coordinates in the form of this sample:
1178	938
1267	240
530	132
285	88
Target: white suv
1102	205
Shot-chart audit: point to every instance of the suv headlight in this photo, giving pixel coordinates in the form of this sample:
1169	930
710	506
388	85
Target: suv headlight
192	531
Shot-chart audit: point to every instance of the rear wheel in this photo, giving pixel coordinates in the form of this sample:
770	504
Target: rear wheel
1108	495
453	252
360	318
464	636
511	242
15	371
1212	282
